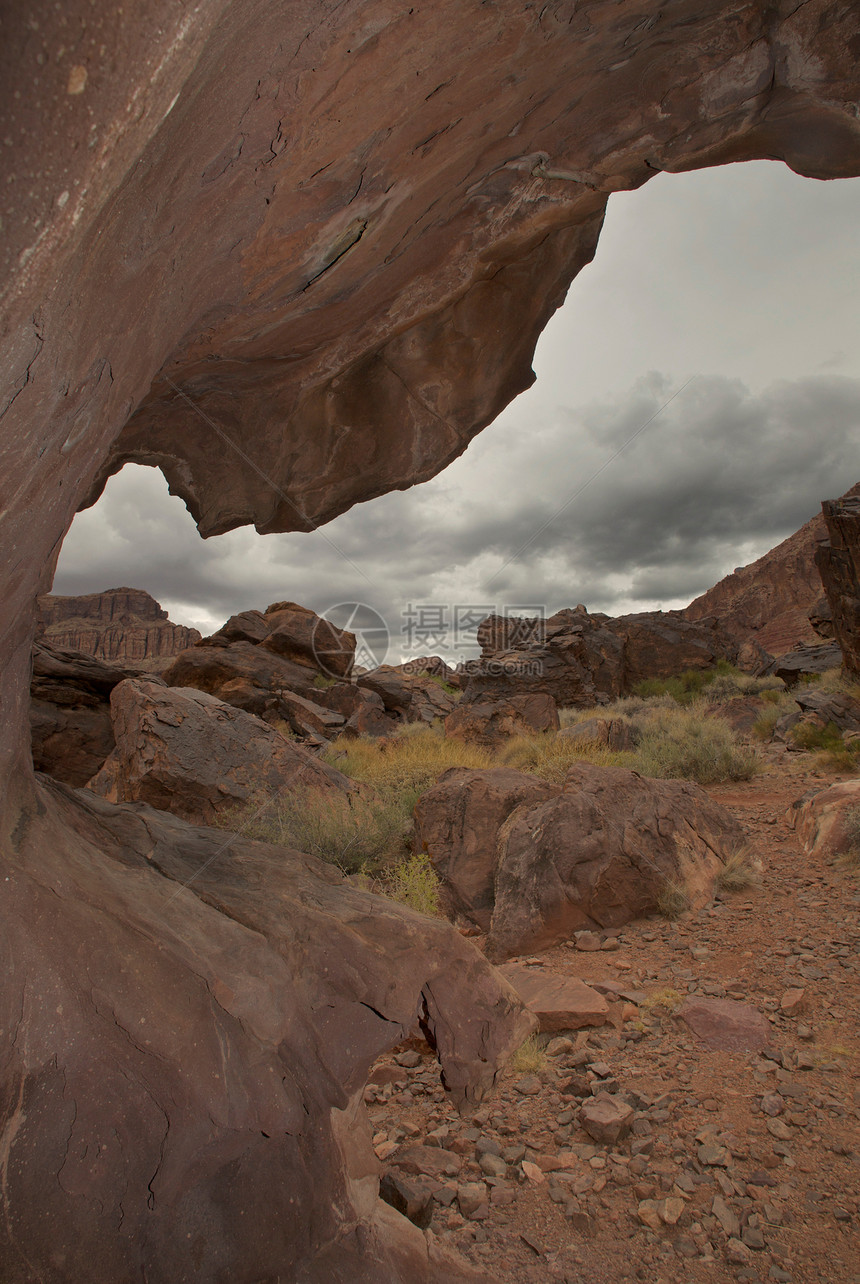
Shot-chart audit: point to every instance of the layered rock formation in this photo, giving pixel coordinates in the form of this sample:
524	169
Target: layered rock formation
124	626
770	602
580	659
838	560
296	257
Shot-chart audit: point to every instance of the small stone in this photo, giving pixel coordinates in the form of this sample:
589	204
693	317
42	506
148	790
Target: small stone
472	1199
648	1213
726	1217
670	1209
606	1118
714	1156
753	1238
793	1002
532	1172
410	1059
529	1085
778	1129
492	1165
772	1104
737	1253
558	1047
805	1061
411	1198
587	941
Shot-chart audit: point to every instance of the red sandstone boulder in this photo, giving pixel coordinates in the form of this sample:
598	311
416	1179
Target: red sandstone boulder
183	751
458	821
487	720
828	821
408	695
726	1025
300	635
600	852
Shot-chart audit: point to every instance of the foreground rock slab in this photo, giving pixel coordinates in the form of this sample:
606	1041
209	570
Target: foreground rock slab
186	752
195	1030
558	1002
727	1025
828	821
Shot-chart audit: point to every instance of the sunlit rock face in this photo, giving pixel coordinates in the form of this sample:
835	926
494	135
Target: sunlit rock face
296	255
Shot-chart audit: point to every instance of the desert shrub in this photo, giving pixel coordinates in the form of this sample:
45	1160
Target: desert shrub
549	756
739	872
672	900
322	683
838	682
529	1058
350	831
414	882
777	703
683	689
834	753
440	682
686	744
407	763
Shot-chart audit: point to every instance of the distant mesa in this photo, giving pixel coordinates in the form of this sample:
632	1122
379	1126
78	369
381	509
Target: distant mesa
121	625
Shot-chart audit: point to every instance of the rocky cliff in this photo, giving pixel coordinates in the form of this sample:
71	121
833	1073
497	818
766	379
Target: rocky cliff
838	559
122	625
295	256
769	602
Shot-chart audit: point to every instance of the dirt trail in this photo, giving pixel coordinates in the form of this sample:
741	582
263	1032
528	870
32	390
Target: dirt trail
758	1156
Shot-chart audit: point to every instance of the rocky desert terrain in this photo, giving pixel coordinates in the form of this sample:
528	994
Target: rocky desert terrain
729	1048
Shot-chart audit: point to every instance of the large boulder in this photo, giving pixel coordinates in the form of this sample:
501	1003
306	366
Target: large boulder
489	720
195	1027
537	862
184	751
458	821
601	852
407	693
70	722
838	707
828	820
803	662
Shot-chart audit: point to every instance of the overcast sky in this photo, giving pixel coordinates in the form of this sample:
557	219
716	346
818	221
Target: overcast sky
697	397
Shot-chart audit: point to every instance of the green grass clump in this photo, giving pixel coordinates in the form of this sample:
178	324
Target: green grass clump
414	882
322	683
686	744
683	689
668	999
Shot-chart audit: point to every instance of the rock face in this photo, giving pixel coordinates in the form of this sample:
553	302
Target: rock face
295	257
558	1002
581	659
601	852
188	753
123	625
838	561
536	862
70	722
770	601
202	1019
805	661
